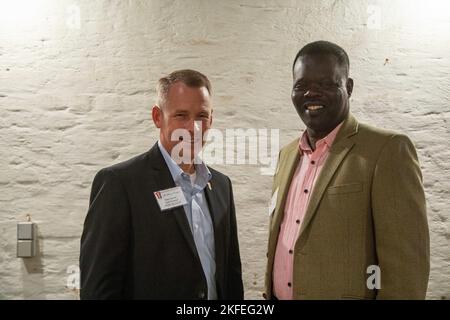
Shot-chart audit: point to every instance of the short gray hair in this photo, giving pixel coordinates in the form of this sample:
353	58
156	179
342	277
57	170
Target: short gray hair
191	78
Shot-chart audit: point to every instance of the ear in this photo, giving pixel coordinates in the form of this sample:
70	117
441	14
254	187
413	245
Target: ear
157	116
349	87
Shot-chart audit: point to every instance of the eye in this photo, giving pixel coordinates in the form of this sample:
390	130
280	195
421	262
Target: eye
300	86
203	116
328	84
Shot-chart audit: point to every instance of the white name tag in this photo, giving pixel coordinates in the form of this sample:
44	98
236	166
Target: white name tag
273	202
170	198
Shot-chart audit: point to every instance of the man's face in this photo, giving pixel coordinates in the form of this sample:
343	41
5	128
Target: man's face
188	109
321	92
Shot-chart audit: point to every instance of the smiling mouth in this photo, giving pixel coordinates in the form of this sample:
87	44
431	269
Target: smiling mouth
314	107
189	141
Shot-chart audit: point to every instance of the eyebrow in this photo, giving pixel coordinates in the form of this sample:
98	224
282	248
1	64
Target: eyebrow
181	111
319	79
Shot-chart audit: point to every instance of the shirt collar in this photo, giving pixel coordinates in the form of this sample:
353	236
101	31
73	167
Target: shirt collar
328	140
202	171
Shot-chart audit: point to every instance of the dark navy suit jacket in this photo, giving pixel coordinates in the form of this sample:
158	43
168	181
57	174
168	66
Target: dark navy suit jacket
132	250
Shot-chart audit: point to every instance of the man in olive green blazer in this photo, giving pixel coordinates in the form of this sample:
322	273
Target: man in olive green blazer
364	232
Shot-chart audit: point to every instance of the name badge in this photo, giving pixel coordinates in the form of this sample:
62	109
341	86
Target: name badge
273	202
170	198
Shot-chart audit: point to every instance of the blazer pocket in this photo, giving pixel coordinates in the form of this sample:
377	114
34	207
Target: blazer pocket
345	188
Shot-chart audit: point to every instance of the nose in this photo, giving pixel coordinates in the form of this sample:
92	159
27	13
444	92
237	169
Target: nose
311	93
197	126
194	127
189	126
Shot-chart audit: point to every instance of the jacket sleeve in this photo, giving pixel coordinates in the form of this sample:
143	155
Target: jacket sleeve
400	222
105	239
235	285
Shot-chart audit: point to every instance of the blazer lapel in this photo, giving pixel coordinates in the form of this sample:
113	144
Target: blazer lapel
217	211
285	175
164	180
214	209
340	148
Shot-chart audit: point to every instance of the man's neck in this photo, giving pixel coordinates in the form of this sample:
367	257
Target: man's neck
314	136
188	168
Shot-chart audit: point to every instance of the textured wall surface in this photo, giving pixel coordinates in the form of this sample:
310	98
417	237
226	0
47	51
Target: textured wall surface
77	84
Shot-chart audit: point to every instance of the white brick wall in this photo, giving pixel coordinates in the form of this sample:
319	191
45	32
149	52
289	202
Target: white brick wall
73	100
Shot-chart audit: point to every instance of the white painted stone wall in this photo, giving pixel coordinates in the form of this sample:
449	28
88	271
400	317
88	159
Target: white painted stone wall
76	95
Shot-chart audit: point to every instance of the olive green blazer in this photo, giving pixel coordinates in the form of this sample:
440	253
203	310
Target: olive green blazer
367	208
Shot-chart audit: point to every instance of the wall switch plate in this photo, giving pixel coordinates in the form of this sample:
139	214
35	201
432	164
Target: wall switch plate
26	239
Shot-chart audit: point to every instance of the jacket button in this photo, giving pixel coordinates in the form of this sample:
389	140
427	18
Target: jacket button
264	295
201	295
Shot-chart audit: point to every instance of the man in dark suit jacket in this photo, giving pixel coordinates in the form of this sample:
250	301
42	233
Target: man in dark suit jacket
132	246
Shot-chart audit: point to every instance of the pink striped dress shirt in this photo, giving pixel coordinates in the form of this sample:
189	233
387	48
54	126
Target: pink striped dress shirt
305	176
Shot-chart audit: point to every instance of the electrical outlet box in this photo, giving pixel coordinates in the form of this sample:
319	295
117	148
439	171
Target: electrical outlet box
26	239
26	249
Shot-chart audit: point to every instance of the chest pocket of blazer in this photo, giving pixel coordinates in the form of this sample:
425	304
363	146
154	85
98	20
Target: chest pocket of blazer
345	188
